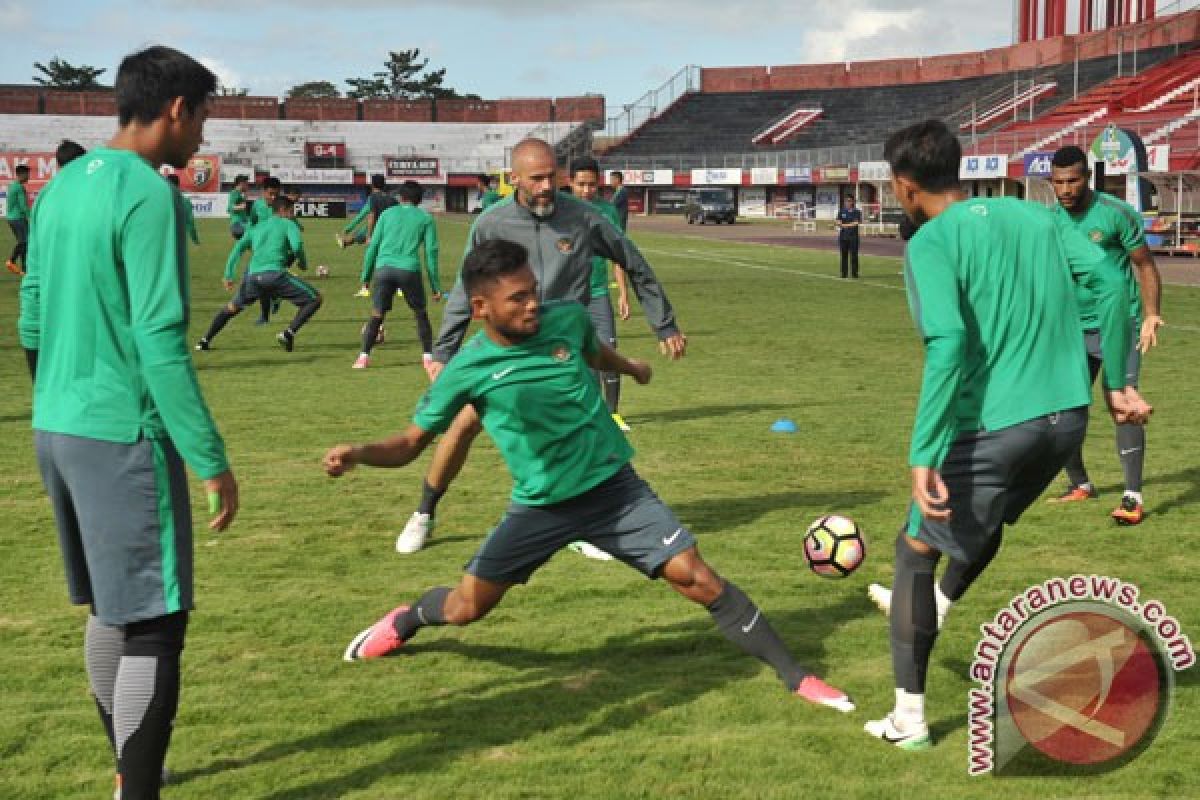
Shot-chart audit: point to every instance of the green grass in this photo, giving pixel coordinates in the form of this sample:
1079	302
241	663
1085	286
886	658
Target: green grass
590	682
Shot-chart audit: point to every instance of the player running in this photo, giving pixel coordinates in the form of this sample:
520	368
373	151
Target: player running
1117	228
276	243
1004	397
17	214
527	374
563	234
394	258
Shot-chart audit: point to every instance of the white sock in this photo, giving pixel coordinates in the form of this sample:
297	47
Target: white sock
943	603
910	709
1135	495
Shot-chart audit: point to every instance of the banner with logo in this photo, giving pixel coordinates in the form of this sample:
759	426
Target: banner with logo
716	177
411	167
752	202
1121	151
299	175
208	205
1158	158
797	175
1037	165
321	208
983	167
643	177
874	171
764	176
831	175
42	167
202	174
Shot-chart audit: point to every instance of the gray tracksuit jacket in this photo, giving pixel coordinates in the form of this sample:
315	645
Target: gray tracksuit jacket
560	247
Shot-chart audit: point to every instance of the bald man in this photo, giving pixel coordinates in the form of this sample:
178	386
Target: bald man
562	235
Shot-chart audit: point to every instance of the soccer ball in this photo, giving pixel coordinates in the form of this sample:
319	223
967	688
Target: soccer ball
322	271
834	546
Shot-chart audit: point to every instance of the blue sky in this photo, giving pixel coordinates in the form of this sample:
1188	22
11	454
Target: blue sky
510	48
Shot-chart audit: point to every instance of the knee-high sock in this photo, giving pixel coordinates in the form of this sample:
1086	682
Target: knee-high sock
371	333
145	699
264	305
219	321
428	610
1131	447
424	331
430	495
304	314
745	625
913	616
960	575
612	391
102	648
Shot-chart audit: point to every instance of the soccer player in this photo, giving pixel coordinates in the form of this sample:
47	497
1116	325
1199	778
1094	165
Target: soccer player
17	213
185	209
849	220
275	243
620	198
117	409
259	210
527	375
238	207
378	201
1004	396
394	258
563	233
1117	228
585	184
488	196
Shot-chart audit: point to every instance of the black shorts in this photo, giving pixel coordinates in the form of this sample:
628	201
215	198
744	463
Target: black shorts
280	284
390	279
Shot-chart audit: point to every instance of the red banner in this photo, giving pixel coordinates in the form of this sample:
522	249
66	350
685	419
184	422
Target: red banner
202	174
42	167
325	150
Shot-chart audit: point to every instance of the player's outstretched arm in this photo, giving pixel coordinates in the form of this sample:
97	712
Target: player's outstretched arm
395	451
1150	284
606	359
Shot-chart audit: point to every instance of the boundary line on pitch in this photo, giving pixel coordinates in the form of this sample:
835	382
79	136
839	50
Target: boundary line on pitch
697	256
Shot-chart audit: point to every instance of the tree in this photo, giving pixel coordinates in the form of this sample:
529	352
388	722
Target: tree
401	79
368	88
313	90
58	74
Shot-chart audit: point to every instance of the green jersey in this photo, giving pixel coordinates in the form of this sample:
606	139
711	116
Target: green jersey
400	233
1117	228
238	216
260	210
540	403
359	219
188	215
600	265
105	302
16	201
274	242
991	287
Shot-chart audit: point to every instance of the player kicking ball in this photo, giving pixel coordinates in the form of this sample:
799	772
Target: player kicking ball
527	375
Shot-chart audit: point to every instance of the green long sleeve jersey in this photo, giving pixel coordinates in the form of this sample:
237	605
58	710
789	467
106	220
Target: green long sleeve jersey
991	286
400	233
105	302
1116	228
16	201
274	241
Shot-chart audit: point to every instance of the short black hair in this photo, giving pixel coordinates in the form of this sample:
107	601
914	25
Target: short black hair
378	182
67	152
283	201
173	178
1069	156
240	179
927	153
490	261
411	192
272	183
21	168
149	79
585	164
616	173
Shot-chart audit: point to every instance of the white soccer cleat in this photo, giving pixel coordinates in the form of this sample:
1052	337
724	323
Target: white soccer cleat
911	737
589	550
881	596
416	531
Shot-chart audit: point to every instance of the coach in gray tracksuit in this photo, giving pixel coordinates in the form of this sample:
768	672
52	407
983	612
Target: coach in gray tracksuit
561	246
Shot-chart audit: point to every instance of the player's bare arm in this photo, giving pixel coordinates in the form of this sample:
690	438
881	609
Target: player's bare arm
1150	283
606	359
395	451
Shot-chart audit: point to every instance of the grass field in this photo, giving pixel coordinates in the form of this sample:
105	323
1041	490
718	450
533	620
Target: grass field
590	682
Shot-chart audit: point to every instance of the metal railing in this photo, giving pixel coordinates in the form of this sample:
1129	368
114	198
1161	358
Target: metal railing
653	103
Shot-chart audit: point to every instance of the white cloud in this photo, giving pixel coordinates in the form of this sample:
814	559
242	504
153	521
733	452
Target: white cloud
228	77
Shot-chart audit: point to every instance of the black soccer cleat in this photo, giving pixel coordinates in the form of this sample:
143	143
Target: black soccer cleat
203	345
286	340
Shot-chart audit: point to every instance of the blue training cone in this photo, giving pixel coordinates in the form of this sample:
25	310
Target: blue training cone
783	425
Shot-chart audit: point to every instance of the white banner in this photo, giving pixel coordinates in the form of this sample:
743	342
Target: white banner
979	167
302	175
752	202
643	177
205	204
1158	157
877	171
797	175
716	177
764	176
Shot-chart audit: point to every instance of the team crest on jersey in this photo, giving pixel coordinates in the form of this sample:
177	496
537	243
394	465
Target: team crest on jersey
561	354
1096	236
563	245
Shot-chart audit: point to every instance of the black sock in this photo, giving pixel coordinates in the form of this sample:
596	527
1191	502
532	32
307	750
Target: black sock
264	304
31	360
959	575
1076	472
429	499
304	314
426	611
913	616
371	333
424	331
743	624
219	321
1131	449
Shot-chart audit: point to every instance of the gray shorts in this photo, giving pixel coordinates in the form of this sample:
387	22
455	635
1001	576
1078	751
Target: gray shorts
1095	356
622	516
390	279
124	524
275	283
993	476
603	320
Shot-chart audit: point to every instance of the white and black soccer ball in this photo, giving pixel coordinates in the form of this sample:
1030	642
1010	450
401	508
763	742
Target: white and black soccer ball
834	546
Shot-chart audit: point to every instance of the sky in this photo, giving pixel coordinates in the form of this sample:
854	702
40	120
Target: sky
495	49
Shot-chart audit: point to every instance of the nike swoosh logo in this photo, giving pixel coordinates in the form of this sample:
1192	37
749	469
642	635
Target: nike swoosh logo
750	627
498	375
667	540
1131	450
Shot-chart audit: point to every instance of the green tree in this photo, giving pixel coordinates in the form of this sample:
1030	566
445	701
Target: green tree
401	78
58	74
313	89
